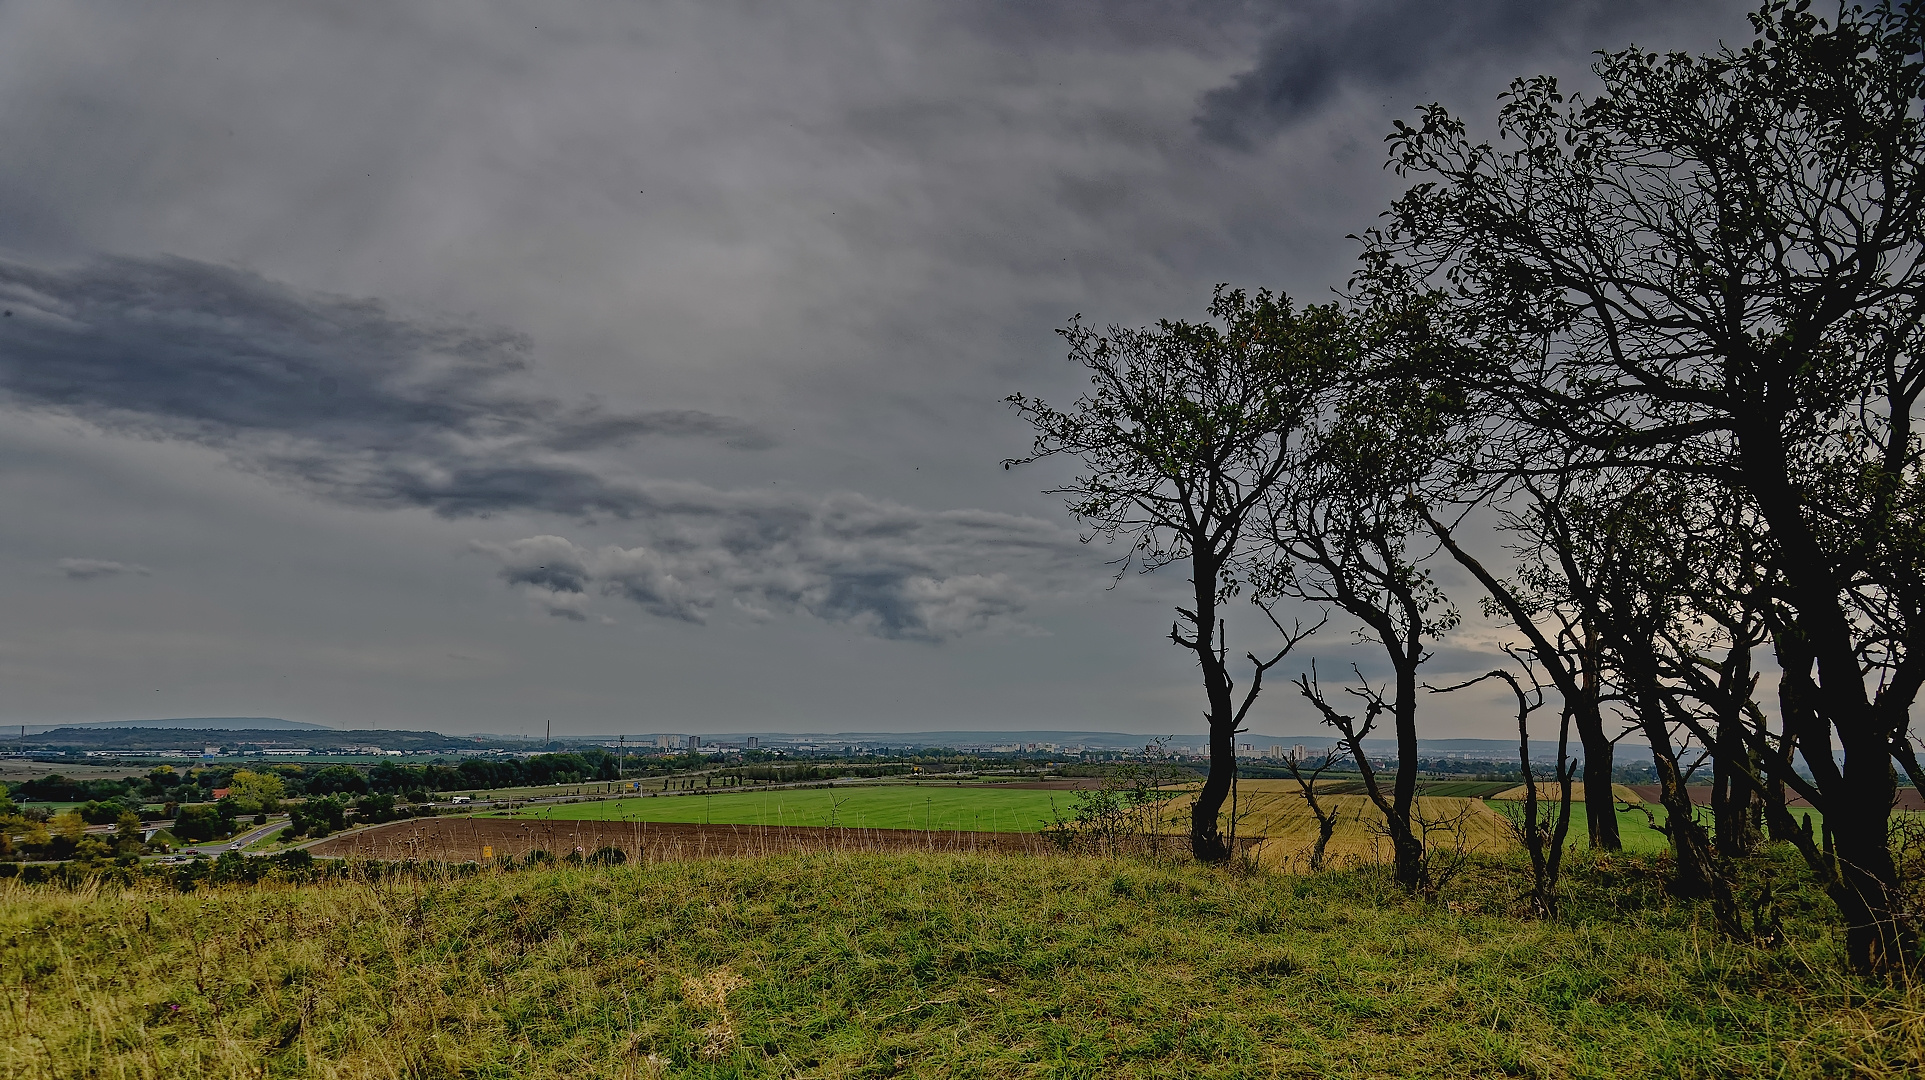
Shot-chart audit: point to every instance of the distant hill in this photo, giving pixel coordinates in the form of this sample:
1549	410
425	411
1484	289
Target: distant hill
197	723
193	740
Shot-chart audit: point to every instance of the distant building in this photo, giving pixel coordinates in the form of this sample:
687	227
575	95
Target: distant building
667	742
754	743
694	743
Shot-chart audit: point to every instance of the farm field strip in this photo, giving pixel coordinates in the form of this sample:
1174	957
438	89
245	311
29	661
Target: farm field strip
931	808
1273	809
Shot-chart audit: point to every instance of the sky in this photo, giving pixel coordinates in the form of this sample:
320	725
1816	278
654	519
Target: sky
638	367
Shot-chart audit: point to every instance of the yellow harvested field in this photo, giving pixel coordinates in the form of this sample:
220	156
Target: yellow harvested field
1547	790
1276	811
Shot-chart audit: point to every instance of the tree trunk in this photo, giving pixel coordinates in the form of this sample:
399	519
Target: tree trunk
1207	843
1863	880
1689	845
1406	844
1734	804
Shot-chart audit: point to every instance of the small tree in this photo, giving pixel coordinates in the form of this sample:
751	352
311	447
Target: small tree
1185	433
1326	816
1542	834
256	792
1346	533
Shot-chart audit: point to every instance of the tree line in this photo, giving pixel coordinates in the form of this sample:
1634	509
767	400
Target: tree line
1646	368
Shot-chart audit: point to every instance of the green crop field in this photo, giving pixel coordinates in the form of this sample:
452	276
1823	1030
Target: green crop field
892	806
947	808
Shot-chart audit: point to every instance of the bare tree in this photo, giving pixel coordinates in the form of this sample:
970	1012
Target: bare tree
1542	835
1326	816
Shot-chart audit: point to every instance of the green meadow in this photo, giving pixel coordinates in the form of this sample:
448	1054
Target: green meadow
944	808
947	808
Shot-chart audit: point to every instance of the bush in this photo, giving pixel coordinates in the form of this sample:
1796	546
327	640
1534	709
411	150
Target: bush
608	856
318	817
104	813
374	809
199	823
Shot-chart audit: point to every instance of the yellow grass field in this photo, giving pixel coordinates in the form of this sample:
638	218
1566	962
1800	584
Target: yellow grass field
1548	790
1275	810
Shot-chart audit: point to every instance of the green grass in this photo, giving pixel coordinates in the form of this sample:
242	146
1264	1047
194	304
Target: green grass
1636	831
892	806
944	966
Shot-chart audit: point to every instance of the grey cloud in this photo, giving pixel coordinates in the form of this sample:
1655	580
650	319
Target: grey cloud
344	396
885	569
1324	46
89	569
351	401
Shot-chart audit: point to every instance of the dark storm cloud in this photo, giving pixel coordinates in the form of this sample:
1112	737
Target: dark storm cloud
342	396
1325	46
350	400
888	570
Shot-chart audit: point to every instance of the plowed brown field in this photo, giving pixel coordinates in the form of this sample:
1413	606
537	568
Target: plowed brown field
452	839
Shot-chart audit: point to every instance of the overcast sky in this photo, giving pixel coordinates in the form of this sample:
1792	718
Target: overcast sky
467	365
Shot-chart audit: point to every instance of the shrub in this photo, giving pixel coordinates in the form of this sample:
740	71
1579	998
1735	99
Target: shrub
198	823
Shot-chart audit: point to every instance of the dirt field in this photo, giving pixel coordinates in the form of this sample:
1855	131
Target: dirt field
1068	783
474	839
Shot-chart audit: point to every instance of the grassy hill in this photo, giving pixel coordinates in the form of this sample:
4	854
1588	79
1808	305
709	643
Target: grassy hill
925	966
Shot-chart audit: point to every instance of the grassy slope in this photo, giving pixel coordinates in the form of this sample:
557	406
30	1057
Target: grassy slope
976	809
922	965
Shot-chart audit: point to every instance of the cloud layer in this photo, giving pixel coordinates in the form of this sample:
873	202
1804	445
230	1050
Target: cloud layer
342	396
350	400
1324	47
885	569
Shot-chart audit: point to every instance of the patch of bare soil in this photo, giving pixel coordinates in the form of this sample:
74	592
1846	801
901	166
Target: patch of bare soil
451	839
1072	783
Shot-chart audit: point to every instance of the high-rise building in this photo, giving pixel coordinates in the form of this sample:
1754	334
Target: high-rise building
754	743
694	743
